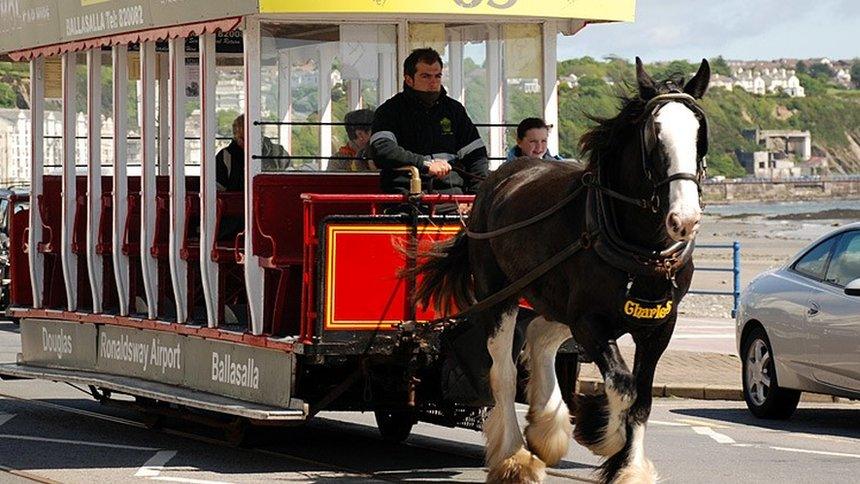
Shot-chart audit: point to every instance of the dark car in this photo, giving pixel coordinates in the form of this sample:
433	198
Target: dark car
12	201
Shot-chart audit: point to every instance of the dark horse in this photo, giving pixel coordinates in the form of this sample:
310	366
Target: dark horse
620	235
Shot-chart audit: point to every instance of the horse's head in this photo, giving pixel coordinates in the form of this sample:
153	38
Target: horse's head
674	143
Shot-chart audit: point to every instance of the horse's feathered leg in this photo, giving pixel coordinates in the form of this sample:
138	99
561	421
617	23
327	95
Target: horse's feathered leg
549	429
507	457
601	420
630	465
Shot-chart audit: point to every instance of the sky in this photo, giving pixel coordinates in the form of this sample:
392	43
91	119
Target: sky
735	29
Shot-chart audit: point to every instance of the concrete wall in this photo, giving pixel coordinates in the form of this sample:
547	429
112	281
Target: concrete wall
767	190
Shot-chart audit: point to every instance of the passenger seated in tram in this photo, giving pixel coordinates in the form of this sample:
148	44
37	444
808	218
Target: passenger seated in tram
230	171
352	155
424	128
230	161
532	135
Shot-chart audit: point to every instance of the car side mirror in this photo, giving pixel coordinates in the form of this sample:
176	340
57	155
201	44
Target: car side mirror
853	288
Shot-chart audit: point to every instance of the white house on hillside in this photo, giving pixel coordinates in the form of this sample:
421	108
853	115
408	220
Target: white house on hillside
767	80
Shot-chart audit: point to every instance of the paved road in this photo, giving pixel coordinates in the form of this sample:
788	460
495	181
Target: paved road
56	434
51	432
713	335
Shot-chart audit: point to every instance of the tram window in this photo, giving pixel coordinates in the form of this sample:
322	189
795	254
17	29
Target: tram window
521	45
312	75
463	48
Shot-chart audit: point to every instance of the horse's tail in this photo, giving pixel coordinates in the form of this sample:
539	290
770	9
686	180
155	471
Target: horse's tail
446	276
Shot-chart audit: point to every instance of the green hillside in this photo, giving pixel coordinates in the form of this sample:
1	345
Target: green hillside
831	115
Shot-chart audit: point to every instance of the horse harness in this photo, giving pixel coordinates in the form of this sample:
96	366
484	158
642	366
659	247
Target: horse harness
602	234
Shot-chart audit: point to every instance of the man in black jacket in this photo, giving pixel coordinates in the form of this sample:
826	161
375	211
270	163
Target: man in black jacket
425	128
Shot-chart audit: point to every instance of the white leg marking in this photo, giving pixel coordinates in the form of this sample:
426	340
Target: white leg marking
637	445
502	429
637	469
549	430
507	457
615	435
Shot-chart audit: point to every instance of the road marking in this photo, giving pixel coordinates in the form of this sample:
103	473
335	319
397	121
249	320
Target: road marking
186	480
28	476
155	464
667	424
572	477
817	452
720	438
76	442
78	411
702	336
701	423
5	417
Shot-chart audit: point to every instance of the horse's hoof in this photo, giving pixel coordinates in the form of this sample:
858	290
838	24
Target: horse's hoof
520	468
599	428
645	473
548	435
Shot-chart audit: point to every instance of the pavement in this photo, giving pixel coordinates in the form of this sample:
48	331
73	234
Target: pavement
701	362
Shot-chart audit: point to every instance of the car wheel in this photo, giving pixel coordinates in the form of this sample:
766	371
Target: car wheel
394	425
762	393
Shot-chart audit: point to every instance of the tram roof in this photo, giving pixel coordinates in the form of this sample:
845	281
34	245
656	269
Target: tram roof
30	28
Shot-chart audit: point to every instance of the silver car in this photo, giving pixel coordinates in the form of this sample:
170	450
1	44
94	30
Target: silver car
798	327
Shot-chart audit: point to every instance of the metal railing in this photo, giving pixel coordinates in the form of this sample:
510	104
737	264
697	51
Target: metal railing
735	270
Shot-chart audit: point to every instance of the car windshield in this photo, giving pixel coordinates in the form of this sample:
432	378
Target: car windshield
845	264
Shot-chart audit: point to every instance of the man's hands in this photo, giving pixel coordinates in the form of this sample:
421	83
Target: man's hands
439	168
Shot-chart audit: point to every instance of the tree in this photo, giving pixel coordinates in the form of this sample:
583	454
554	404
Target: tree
812	85
855	73
7	96
720	66
821	71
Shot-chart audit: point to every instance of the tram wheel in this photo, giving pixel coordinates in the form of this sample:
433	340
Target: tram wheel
153	421
394	425
236	431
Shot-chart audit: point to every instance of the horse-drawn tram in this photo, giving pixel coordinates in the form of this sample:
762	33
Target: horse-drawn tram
135	273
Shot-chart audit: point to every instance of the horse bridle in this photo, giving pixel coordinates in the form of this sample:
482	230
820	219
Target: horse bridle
649	112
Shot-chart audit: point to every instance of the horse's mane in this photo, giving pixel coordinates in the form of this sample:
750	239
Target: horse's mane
602	140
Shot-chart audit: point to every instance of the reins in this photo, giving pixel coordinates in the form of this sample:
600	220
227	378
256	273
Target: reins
591	182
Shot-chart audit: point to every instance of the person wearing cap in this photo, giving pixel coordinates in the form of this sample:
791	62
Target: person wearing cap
532	135
351	156
423	127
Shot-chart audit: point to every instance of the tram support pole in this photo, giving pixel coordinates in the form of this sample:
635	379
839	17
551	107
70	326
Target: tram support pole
95	266
178	266
69	260
254	275
149	265
550	82
120	180
37	166
208	194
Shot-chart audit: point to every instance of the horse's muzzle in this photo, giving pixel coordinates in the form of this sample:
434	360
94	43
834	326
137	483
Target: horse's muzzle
683	228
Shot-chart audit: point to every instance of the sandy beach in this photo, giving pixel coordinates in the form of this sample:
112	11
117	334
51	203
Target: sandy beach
769	234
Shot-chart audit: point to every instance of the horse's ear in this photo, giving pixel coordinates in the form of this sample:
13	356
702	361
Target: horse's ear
698	85
647	88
